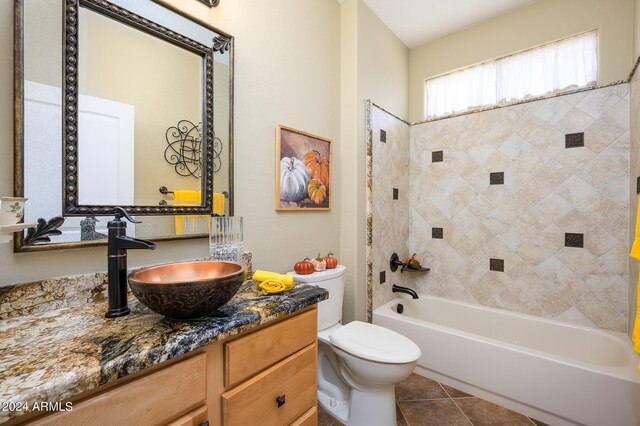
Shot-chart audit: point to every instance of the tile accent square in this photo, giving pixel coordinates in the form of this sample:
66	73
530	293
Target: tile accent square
496	265
437	156
396	193
383	277
573	240
574	140
496	178
383	136
437	233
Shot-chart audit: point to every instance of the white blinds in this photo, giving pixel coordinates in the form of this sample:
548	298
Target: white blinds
556	66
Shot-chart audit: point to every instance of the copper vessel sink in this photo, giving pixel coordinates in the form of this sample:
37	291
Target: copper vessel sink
187	290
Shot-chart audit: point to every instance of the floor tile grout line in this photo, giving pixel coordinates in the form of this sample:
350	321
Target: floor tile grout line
445	391
402	414
435	399
463	413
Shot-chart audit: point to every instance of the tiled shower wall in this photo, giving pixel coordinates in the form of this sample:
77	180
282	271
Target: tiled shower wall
388	211
533	205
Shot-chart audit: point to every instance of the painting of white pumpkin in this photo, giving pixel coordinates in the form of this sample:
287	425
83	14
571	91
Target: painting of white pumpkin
303	172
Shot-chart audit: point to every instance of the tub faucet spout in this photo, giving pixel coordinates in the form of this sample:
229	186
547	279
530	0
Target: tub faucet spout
399	289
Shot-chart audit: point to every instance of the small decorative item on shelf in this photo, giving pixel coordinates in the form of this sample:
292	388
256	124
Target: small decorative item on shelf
411	265
11	213
11	210
331	261
319	263
412	262
304	267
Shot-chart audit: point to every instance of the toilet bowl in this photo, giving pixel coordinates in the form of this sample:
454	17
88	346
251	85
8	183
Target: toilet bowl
359	364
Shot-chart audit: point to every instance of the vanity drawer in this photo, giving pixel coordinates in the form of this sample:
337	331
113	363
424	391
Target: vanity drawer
293	378
310	418
248	355
153	399
194	418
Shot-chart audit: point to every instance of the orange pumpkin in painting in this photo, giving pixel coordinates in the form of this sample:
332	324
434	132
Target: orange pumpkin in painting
318	166
317	191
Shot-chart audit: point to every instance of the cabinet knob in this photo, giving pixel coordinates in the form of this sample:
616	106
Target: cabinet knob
280	400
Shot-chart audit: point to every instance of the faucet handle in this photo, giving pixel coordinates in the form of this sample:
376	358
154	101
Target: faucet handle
120	213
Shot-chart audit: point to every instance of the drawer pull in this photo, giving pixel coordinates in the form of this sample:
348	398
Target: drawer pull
205	423
280	400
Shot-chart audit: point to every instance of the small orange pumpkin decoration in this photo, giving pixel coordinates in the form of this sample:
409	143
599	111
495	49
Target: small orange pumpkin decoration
318	166
331	261
317	191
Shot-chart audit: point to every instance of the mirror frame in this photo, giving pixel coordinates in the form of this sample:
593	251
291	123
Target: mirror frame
224	42
71	91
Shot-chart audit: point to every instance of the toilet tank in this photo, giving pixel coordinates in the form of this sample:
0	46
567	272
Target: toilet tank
332	280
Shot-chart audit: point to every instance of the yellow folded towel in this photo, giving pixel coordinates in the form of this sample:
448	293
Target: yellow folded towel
635	253
266	275
218	203
274	286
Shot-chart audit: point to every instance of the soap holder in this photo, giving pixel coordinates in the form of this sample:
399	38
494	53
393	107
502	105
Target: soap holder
395	263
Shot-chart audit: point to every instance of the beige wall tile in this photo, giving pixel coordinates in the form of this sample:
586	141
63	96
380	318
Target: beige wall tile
549	190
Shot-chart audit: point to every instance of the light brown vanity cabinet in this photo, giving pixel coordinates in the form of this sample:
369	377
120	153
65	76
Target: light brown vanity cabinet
266	376
284	356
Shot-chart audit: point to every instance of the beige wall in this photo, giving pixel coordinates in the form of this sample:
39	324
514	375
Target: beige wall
291	76
375	66
636	29
539	23
112	66
634	172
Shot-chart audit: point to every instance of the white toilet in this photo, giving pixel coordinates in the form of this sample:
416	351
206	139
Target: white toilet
359	364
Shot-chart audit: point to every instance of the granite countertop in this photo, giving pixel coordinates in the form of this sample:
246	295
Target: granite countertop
54	355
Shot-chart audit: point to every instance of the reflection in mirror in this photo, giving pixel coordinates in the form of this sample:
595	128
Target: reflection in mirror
125	107
128	101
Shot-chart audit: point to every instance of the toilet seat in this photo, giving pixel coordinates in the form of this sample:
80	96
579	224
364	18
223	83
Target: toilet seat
323	335
374	343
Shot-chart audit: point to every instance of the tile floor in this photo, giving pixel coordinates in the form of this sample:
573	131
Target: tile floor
421	401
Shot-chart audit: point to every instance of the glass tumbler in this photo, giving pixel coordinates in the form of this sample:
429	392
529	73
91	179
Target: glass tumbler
225	238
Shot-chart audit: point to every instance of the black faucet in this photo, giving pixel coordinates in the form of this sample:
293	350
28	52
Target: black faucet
398	289
119	243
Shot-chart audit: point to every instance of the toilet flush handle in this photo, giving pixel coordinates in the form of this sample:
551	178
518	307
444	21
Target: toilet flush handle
280	400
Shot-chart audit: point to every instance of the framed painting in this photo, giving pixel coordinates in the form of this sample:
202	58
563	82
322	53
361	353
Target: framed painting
303	170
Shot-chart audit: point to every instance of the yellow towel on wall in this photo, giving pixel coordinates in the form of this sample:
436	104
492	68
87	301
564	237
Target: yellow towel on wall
635	253
218	203
188	198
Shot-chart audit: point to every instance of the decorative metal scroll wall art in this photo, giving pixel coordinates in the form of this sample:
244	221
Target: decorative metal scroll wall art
184	149
70	105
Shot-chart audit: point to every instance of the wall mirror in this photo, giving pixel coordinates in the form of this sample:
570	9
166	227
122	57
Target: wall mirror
120	103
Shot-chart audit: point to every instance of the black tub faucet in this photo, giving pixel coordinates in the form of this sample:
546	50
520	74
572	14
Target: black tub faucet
119	243
398	289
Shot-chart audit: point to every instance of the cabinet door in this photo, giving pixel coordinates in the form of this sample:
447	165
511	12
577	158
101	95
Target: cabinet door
150	400
277	396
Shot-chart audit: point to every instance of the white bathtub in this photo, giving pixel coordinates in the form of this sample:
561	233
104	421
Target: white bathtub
555	372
